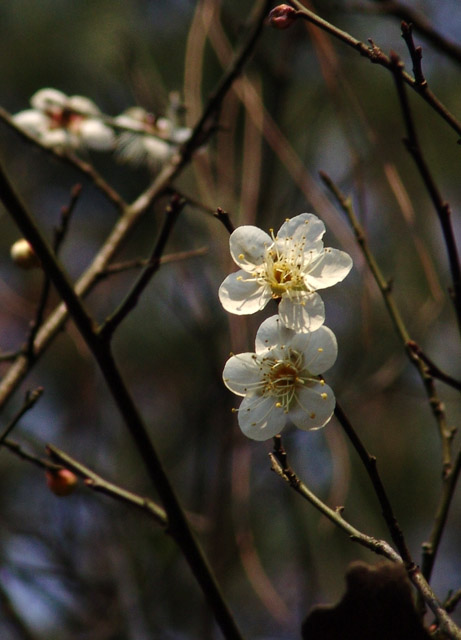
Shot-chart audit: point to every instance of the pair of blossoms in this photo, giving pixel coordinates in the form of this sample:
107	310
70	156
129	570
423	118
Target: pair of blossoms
75	122
282	380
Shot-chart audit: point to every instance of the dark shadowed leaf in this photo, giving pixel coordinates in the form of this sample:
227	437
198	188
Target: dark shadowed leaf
377	605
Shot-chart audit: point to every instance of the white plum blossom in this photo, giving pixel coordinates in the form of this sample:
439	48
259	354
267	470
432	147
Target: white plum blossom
157	140
281	380
72	122
289	267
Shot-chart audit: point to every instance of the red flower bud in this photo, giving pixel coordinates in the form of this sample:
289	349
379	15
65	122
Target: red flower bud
61	482
282	17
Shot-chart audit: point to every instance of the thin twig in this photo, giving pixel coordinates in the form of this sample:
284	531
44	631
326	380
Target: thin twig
224	218
42	463
172	212
139	263
446	434
432	368
99	484
369	462
452	602
178	524
431	547
59	235
30	400
416	54
442	207
279	464
375	55
420	23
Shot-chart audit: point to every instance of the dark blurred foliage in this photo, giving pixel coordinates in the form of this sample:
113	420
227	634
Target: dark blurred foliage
86	567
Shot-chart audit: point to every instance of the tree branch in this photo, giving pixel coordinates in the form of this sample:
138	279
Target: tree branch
376	56
446	434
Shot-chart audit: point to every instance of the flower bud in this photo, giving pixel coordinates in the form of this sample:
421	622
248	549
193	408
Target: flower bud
23	255
61	482
282	17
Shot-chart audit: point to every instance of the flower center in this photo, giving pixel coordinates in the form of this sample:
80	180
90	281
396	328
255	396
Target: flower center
282	378
283	374
283	273
65	119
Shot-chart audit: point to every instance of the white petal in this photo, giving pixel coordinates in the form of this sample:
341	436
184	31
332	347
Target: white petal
273	334
331	267
130	148
128	121
319	349
84	105
32	121
44	99
96	135
306	314
156	149
314	407
248	246
181	134
59	138
306	224
259	418
242	374
241	294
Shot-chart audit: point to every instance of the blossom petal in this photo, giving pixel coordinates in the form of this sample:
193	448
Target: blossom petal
259	418
273	334
248	246
241	294
306	226
156	149
44	99
181	134
59	138
319	349
314	407
96	135
331	267
125	120
242	374
81	104
32	121
302	315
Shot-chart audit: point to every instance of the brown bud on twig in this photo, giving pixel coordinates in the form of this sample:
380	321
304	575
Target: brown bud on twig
282	16
61	482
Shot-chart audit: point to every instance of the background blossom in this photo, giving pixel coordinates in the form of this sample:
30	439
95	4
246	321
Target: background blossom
59	120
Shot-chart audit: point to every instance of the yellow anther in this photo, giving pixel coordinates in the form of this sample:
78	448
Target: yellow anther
240	278
320	349
241	256
324	396
278	405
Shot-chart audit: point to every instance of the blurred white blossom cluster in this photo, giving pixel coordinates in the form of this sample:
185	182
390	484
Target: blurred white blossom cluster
75	122
282	380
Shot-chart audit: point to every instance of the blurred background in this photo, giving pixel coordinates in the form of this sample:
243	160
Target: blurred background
87	567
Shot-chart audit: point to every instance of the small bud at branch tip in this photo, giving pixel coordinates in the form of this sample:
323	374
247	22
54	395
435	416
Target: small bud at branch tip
282	17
